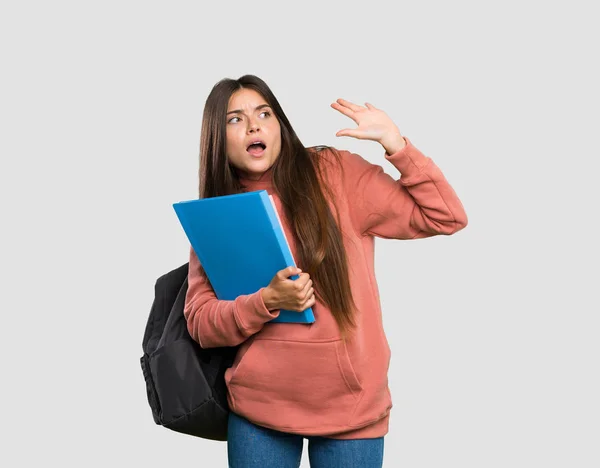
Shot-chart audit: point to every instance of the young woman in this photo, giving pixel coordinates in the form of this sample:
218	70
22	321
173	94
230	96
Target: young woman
326	381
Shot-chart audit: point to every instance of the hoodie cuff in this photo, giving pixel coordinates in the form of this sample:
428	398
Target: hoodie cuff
251	313
409	160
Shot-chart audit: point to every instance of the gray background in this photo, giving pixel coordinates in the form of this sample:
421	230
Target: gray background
494	331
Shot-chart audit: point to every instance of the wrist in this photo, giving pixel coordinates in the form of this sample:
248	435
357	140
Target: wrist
393	143
267	298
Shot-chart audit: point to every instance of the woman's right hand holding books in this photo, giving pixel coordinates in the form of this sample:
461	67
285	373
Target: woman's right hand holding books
284	293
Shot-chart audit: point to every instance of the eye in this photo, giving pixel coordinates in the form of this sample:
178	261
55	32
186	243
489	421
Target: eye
267	113
230	120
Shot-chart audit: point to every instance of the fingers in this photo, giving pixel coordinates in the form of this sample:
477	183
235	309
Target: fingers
309	303
344	110
348	108
306	288
302	281
345	132
287	272
354	133
353	107
305	295
302	294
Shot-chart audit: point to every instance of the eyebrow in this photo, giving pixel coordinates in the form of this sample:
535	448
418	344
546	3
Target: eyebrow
239	111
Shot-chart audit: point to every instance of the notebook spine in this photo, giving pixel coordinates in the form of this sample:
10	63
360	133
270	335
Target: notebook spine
277	224
277	229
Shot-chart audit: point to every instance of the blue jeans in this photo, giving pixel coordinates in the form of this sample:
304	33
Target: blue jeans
252	446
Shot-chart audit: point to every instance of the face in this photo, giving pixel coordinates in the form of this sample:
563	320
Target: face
250	119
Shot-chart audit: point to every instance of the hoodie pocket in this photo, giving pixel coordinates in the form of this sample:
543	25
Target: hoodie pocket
296	385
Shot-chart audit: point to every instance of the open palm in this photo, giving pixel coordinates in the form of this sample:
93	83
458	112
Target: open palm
373	124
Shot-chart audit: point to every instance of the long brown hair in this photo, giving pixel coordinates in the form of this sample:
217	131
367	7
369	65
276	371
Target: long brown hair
298	180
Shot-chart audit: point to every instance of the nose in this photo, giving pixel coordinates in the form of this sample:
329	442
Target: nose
253	126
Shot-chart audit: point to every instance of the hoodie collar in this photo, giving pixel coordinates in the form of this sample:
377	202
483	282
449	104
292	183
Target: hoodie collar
263	182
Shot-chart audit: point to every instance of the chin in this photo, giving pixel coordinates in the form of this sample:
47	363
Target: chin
264	162
256	167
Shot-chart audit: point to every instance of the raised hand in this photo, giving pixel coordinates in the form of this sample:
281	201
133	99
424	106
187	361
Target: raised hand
373	124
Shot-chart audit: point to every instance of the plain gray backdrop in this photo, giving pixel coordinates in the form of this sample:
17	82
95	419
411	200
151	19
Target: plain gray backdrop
494	331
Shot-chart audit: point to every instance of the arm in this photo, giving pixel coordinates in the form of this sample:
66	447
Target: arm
420	204
213	322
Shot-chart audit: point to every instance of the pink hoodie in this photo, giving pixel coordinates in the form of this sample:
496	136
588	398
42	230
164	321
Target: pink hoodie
304	379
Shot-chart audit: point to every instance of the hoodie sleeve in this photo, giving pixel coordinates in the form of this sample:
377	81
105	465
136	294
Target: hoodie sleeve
420	204
213	322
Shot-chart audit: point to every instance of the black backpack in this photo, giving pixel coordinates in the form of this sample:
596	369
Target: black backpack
185	383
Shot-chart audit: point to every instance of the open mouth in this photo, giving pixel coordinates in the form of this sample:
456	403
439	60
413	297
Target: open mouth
257	148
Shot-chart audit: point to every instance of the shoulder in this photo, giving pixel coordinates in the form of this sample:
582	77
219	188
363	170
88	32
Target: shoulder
341	169
340	161
334	158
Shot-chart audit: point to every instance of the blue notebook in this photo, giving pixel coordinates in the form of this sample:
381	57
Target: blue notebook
240	244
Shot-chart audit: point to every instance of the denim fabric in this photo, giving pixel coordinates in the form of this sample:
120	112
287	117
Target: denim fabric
252	446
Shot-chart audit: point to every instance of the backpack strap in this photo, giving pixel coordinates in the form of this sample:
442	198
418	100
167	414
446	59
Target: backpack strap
166	289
